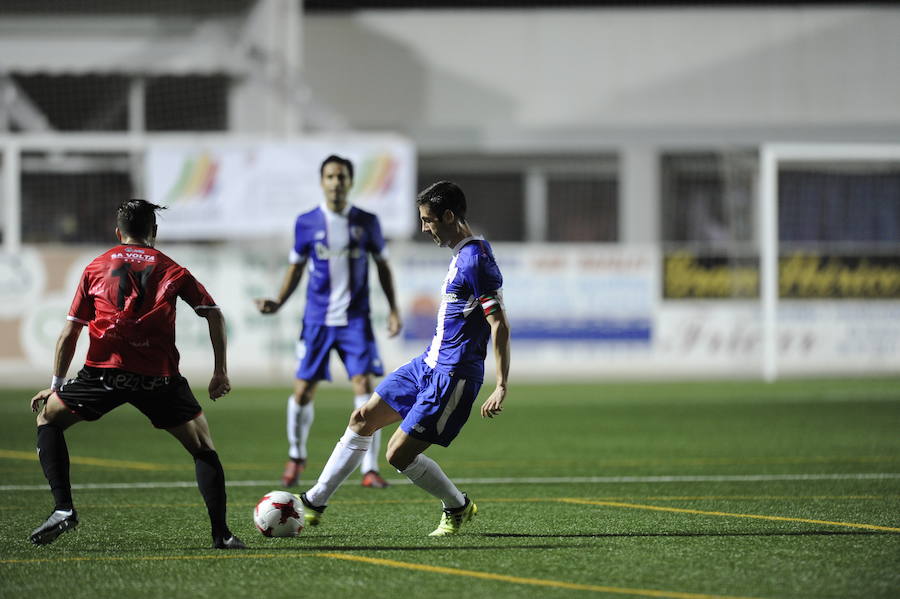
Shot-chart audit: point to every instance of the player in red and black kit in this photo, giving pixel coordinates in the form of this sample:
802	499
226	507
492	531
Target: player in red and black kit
127	299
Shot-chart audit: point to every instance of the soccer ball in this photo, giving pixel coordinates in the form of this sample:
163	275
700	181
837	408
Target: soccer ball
279	514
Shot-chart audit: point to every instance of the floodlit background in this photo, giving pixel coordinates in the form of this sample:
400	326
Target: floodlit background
672	190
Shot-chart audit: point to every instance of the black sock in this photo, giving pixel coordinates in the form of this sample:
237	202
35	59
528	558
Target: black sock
211	480
54	456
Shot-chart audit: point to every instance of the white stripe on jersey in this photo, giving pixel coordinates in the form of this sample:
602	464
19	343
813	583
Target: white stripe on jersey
471	304
452	402
435	349
338	236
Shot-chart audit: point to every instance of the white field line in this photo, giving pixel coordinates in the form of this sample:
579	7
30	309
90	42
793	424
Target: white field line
553	480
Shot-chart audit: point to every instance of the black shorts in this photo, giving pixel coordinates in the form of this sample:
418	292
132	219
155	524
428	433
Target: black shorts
167	401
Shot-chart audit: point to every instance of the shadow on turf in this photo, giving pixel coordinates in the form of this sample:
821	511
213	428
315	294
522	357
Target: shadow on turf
443	547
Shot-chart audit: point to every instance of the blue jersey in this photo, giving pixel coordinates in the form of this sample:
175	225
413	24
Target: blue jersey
471	289
337	247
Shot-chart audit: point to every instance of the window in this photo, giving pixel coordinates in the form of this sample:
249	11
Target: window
582	207
708	197
708	212
79	102
495	202
100	102
189	103
535	198
73	206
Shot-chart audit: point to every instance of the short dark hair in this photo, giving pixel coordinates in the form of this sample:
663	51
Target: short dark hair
339	160
443	196
136	218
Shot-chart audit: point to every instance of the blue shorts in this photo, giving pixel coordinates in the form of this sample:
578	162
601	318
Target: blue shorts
434	406
355	344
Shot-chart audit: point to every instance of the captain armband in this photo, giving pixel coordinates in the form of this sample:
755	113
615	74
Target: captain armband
491	302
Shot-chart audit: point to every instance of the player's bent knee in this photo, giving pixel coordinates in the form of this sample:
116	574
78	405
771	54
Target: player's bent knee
362	384
304	391
398	459
361	422
357	420
400	456
56	413
194	436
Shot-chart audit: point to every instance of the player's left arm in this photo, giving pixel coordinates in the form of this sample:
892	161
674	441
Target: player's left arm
376	245
493	405
65	351
386	278
197	297
219	385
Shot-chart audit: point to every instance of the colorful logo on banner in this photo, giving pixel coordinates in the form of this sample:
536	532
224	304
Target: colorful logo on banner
196	181
376	174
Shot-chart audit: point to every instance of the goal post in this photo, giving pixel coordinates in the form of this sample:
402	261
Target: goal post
773	157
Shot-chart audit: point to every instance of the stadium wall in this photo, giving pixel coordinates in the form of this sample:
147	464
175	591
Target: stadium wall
490	71
586	312
486	79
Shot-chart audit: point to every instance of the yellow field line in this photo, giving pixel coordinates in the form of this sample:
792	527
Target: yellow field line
559	584
659	508
519	580
30	455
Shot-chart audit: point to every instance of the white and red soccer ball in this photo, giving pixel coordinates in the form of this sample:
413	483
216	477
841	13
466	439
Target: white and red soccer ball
279	514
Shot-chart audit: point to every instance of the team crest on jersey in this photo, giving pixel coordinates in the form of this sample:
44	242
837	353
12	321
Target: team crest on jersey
323	252
356	232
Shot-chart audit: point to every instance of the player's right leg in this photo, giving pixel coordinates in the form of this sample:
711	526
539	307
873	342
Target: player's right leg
362	389
356	345
300	416
53	454
313	354
347	454
195	437
435	422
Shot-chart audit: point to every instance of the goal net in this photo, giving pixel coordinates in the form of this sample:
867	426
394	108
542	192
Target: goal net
830	236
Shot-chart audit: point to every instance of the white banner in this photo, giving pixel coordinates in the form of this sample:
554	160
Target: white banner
255	190
560	293
578	312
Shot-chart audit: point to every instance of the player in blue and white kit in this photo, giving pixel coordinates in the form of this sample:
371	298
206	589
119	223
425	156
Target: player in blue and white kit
432	395
333	242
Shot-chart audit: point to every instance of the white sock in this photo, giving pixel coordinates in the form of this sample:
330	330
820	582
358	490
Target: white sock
370	460
345	458
428	476
299	421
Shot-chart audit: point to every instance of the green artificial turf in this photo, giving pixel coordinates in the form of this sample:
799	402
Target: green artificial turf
726	489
